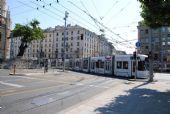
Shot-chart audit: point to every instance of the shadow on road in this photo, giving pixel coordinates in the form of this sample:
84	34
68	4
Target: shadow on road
138	101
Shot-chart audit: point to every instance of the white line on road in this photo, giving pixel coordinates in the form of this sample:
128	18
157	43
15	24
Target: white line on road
11	84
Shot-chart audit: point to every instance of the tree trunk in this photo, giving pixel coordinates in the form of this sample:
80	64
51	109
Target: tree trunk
22	48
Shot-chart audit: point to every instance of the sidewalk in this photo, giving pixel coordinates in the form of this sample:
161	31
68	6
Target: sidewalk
132	97
53	74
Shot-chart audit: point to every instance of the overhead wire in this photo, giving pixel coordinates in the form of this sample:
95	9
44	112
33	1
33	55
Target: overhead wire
85	8
96	9
77	15
97	21
118	13
37	9
90	14
108	11
51	5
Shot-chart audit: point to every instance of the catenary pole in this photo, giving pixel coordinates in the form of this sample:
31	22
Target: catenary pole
151	57
64	51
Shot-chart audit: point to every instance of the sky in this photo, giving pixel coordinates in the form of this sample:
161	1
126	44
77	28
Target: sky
118	18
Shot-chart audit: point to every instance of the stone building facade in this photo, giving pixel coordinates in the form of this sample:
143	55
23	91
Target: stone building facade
5	25
80	42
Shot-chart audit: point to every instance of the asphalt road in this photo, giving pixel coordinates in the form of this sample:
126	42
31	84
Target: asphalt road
36	95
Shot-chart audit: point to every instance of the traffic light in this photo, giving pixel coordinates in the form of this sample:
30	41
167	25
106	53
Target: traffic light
150	55
155	56
134	55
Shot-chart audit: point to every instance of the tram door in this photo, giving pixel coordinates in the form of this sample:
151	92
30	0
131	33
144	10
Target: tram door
108	67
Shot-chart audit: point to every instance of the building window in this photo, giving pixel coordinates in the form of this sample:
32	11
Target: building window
62	50
77	43
66	44
49	40
66	38
62	33
78	32
49	50
49	45
71	32
78	37
56	44
71	49
57	34
146	31
146	47
56	39
77	49
71	38
71	43
49	35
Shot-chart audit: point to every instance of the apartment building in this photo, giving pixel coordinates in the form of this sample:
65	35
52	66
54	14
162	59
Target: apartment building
158	39
5	25
79	41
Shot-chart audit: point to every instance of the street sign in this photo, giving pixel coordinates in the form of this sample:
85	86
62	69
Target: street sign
138	44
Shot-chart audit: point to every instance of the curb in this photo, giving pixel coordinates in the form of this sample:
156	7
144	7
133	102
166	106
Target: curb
29	74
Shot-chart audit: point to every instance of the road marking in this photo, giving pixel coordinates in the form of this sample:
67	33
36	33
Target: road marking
79	84
11	84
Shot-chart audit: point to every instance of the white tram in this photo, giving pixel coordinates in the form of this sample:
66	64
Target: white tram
125	65
118	65
78	64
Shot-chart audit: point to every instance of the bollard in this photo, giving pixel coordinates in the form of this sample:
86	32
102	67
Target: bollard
14	69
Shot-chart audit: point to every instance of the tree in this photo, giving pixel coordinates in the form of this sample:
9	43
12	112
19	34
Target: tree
156	13
28	33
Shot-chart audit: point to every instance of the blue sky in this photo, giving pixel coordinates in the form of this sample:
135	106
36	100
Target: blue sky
120	16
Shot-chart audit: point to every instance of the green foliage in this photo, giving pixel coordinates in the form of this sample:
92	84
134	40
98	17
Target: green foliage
28	32
156	13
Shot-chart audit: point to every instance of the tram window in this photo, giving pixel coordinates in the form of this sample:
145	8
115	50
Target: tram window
92	64
141	65
97	64
119	64
85	64
102	64
125	65
77	64
107	66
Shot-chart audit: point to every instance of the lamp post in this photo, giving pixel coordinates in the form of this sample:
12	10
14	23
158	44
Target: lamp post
64	54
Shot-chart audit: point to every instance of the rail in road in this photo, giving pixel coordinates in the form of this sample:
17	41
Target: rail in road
45	96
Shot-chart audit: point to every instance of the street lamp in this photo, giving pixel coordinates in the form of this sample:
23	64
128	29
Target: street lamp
64	56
